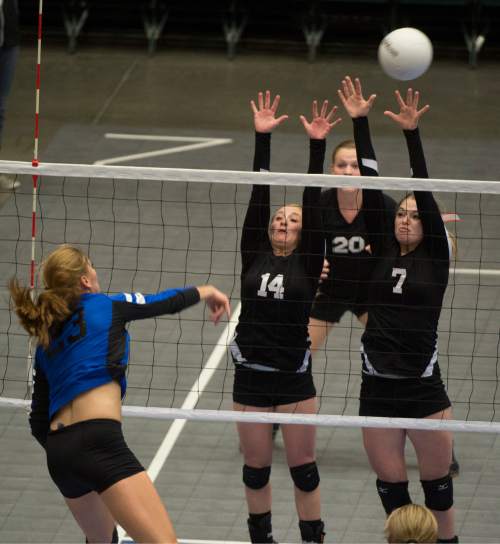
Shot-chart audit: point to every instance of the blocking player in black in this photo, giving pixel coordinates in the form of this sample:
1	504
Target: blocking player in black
400	372
282	259
347	250
80	366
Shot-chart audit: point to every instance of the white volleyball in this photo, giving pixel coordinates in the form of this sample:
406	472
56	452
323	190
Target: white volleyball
405	53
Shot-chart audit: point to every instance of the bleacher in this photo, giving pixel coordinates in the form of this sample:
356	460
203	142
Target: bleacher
307	26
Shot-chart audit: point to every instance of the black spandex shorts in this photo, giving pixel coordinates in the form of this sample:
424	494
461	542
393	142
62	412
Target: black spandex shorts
326	308
89	456
263	389
405	397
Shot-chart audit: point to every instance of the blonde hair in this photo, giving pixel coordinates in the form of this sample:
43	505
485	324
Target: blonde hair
62	271
346	144
411	523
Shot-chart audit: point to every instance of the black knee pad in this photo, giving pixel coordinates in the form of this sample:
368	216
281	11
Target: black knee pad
305	477
256	478
393	494
438	493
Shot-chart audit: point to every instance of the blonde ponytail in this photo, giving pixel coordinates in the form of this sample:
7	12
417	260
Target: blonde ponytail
62	271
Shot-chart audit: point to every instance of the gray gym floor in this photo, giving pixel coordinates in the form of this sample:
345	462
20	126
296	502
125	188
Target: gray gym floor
189	94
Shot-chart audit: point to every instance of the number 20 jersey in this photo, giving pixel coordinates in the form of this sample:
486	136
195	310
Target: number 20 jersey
350	263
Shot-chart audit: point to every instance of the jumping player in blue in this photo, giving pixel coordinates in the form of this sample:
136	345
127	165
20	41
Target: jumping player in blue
80	367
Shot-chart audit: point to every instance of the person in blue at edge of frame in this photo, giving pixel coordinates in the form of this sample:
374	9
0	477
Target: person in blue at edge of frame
79	382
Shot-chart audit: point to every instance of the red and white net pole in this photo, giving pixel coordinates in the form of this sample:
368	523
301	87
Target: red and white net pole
35	162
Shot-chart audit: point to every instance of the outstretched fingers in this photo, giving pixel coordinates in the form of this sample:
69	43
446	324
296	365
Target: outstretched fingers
332	113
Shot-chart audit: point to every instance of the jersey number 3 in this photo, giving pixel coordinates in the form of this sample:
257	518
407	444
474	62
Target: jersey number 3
401	272
275	286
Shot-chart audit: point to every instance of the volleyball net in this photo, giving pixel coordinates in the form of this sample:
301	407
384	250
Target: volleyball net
147	229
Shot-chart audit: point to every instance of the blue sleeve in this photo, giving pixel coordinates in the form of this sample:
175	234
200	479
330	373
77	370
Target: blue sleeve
138	306
140	298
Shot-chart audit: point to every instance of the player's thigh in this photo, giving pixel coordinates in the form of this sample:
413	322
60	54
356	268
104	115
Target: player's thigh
318	332
137	507
299	440
385	450
433	449
256	440
93	517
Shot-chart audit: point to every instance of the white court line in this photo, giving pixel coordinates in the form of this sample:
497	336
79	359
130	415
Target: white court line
201	143
193	396
191	400
110	99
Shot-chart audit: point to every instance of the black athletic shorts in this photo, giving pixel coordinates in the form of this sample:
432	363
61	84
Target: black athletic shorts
405	397
326	308
263	389
89	456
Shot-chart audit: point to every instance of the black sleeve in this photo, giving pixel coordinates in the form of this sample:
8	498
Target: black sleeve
255	236
416	152
374	212
39	414
433	227
130	311
317	149
312	245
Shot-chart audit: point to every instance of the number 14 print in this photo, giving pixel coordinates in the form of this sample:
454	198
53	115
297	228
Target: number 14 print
275	286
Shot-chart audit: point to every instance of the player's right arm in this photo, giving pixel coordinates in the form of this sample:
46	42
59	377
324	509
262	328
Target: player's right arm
134	306
258	212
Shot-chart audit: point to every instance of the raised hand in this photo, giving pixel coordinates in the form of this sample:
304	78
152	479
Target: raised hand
264	116
322	122
351	96
409	114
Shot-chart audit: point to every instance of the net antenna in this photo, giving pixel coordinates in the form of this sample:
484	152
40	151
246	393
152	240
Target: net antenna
35	163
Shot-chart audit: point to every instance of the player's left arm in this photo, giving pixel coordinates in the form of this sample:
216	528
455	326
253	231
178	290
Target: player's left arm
408	118
39	413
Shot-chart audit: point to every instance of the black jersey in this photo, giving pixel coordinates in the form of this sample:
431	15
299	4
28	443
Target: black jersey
406	291
350	262
9	23
277	292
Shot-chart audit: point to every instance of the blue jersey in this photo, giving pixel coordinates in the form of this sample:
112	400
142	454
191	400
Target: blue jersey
91	347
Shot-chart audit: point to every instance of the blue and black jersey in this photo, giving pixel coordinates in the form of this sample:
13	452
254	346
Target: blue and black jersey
91	348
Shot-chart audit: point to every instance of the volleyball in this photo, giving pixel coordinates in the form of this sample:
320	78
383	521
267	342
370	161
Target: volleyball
405	53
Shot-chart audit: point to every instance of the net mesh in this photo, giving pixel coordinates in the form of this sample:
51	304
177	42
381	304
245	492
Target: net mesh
150	229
